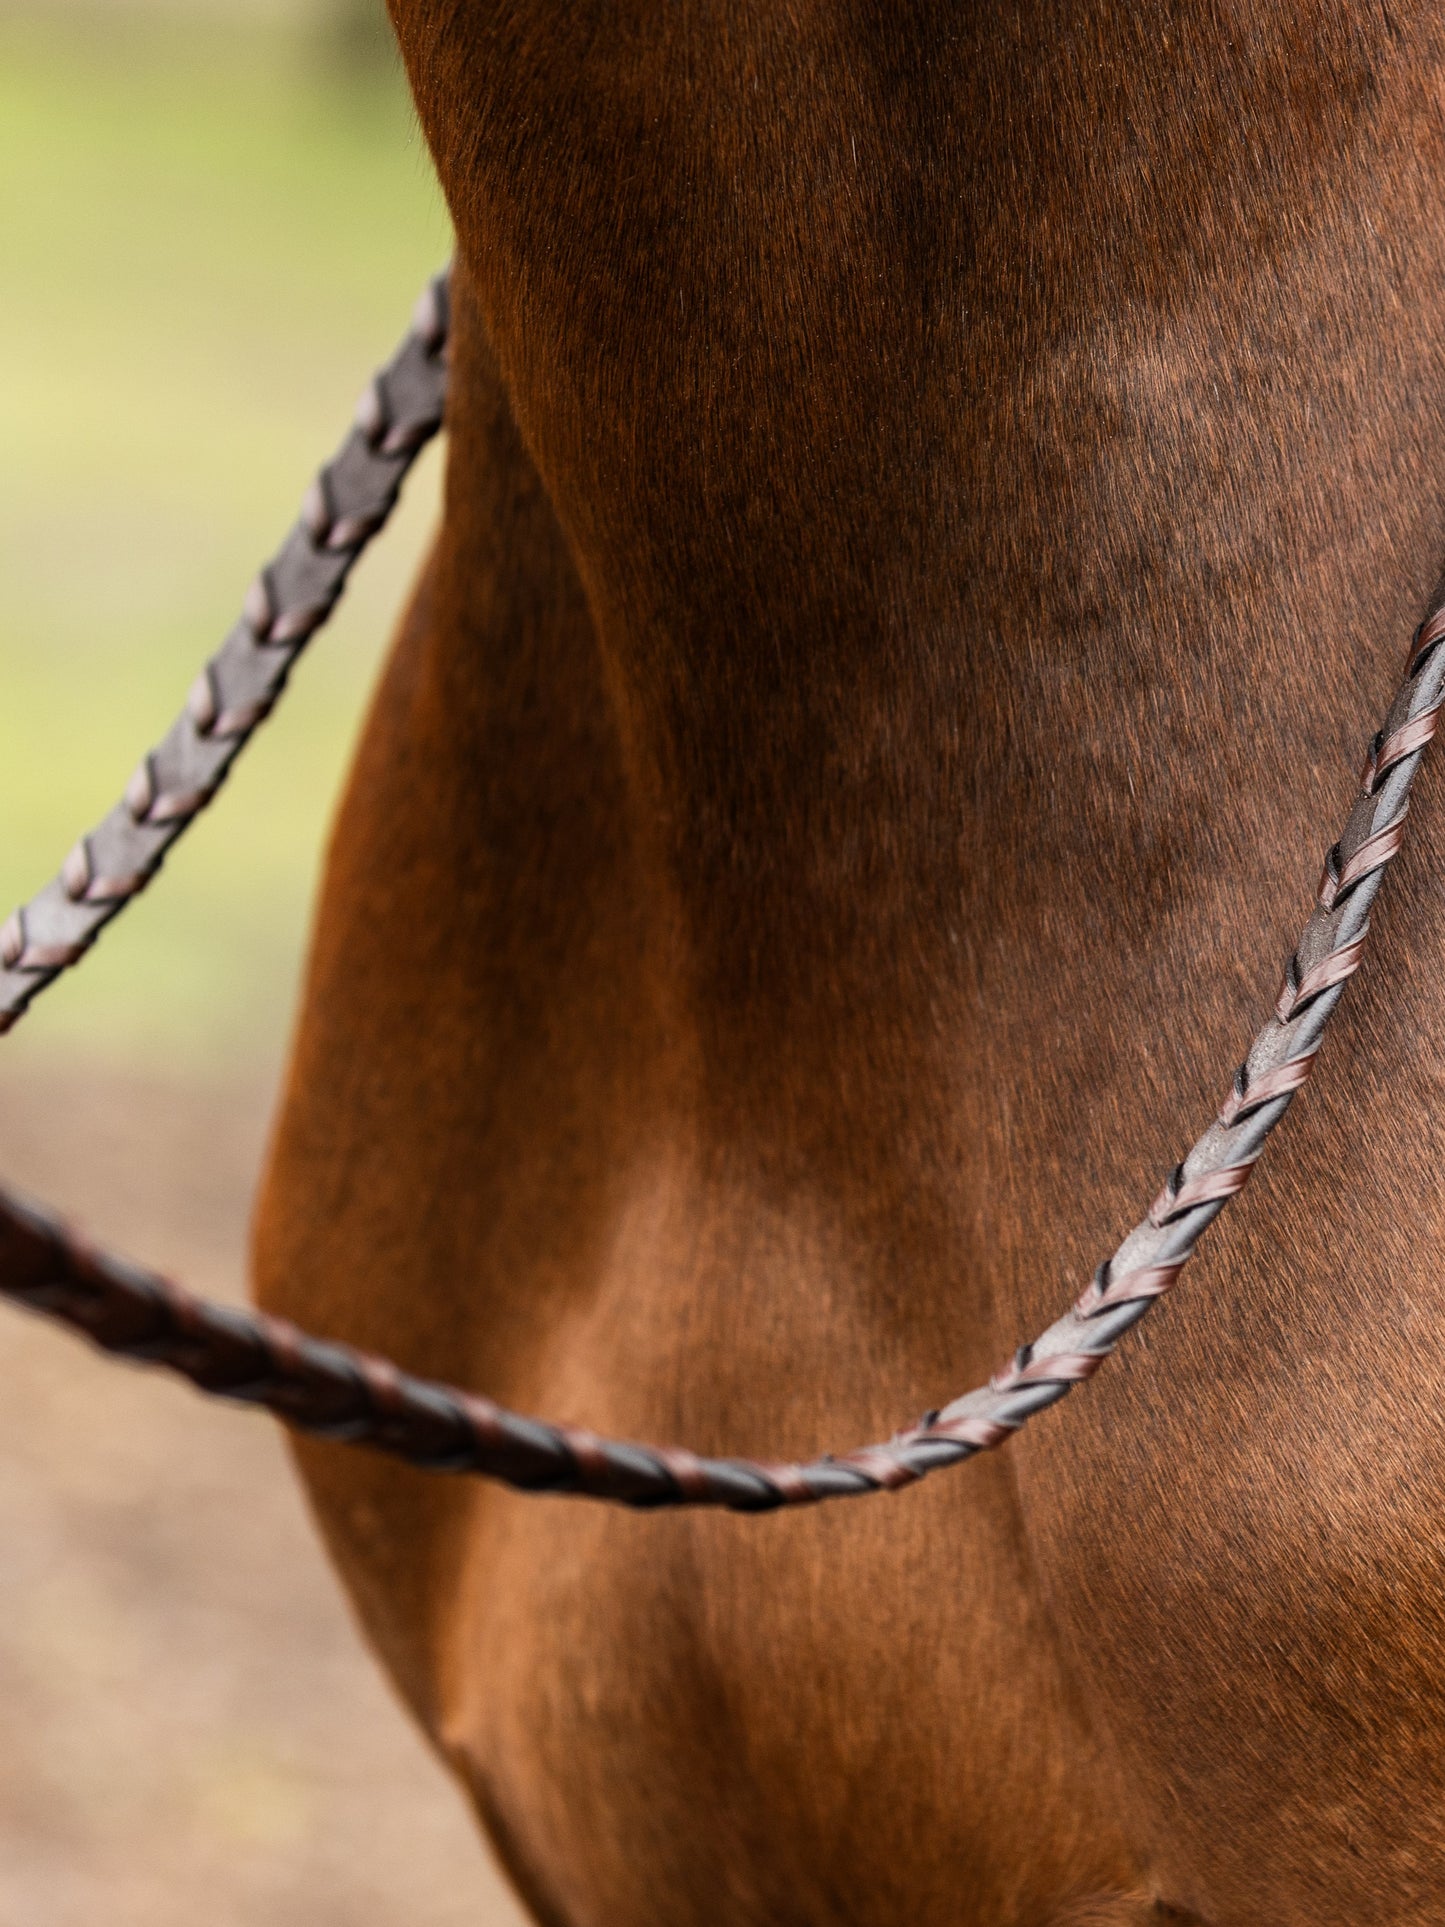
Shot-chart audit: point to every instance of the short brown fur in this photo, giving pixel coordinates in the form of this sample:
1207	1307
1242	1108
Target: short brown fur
935	495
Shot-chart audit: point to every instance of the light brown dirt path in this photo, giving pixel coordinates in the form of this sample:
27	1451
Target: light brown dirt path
189	1727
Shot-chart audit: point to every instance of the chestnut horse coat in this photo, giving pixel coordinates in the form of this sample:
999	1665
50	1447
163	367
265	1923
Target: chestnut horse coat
935	492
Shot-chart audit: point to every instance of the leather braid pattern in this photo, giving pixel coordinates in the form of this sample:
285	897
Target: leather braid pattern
332	1390
347	504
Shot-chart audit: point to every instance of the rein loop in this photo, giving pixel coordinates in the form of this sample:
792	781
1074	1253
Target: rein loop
336	1392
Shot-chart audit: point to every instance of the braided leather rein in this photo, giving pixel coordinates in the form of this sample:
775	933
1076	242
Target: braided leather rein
340	1393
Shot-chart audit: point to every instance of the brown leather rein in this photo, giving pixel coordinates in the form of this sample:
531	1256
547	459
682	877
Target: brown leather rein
330	1389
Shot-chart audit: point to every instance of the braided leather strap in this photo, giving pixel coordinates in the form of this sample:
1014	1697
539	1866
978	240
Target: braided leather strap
340	1393
347	504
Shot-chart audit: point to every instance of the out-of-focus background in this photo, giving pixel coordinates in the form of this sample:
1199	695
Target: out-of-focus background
214	216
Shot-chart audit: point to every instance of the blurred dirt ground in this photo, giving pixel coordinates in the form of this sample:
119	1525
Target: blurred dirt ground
191	1727
213	222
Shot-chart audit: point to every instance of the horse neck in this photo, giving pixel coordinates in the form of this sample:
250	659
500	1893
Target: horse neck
997	474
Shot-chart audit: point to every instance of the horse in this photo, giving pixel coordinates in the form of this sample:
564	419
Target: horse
933	493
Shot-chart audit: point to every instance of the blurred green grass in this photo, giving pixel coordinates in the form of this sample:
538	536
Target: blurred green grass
210	233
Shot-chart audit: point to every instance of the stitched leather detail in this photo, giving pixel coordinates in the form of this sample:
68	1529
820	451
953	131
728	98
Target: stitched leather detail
1299	987
1183	1194
1248	1094
1385	751
1064	1368
1113	1287
1430	633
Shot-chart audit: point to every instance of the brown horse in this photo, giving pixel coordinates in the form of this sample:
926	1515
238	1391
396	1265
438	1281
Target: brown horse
936	493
